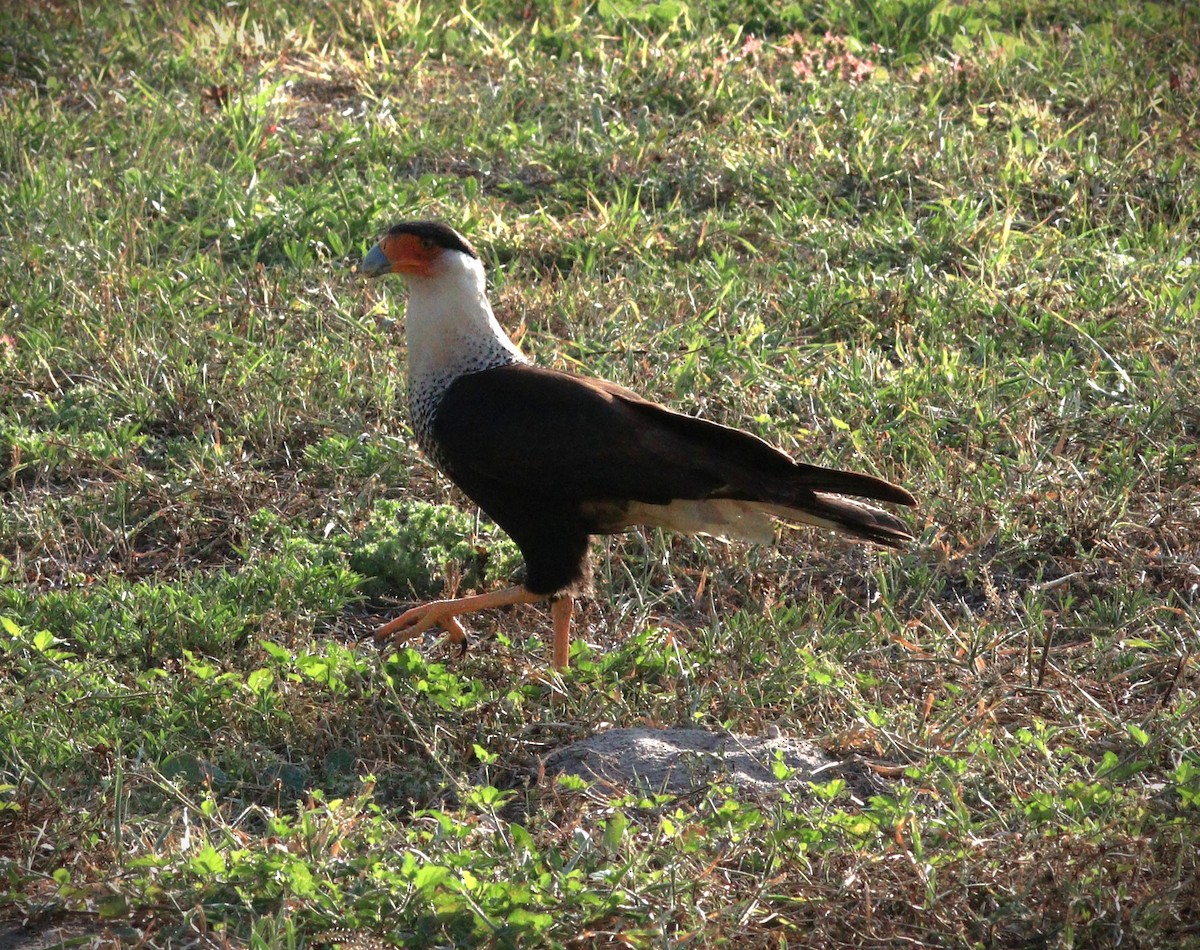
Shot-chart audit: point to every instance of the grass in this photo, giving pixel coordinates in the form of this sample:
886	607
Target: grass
951	244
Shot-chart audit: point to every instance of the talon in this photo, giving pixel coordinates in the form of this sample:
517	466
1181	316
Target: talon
411	623
445	613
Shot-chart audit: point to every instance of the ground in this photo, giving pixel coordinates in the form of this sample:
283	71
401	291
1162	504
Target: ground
951	244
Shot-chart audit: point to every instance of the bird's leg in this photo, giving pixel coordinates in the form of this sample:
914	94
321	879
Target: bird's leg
445	613
560	612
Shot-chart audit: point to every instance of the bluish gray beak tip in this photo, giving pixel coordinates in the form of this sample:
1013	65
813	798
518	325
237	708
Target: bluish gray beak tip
375	263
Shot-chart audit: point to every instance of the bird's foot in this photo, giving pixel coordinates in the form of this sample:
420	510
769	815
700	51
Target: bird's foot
445	614
416	620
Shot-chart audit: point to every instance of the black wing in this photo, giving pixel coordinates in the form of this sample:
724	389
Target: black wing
557	435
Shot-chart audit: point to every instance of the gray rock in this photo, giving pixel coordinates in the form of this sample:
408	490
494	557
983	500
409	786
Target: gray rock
681	761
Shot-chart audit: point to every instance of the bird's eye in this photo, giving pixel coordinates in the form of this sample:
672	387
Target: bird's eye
427	243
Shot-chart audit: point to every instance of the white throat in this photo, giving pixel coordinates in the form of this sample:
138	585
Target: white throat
450	326
451	332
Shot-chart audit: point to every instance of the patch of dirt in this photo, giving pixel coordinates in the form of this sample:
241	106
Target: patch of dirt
53	930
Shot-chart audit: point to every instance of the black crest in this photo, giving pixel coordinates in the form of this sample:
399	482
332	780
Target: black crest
441	234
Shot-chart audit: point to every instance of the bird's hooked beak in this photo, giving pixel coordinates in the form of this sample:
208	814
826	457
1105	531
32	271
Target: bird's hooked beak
376	263
407	254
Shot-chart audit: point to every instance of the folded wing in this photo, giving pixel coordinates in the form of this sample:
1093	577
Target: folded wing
566	441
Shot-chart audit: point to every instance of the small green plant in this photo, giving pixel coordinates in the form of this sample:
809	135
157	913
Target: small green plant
407	549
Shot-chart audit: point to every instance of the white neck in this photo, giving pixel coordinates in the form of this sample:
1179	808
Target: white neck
450	325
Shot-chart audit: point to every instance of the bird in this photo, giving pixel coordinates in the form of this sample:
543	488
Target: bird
554	458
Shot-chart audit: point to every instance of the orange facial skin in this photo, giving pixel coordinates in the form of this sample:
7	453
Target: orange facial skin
410	254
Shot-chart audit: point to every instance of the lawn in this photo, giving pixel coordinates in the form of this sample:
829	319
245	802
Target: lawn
951	244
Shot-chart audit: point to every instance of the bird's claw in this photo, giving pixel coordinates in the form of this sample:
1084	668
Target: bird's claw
416	620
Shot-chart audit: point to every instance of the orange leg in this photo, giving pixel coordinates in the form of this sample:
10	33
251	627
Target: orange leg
445	614
560	612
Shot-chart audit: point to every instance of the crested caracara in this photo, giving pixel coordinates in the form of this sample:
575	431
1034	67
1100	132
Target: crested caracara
553	457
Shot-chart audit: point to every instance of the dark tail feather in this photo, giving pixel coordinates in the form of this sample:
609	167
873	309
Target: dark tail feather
854	518
851	483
